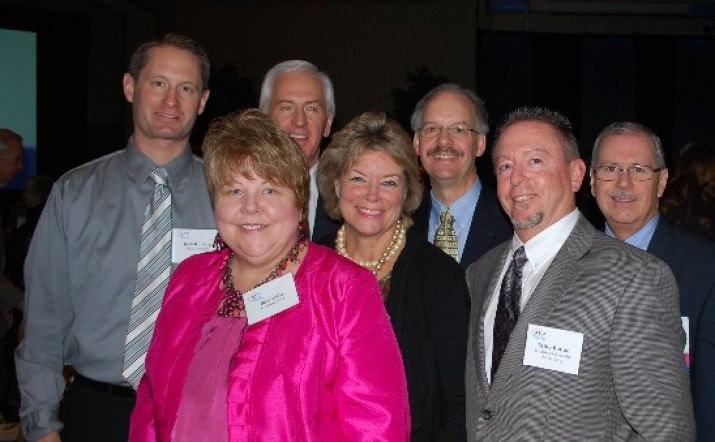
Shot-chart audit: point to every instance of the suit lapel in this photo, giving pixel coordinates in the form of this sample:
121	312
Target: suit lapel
662	235
323	225
665	245
480	231
562	271
421	215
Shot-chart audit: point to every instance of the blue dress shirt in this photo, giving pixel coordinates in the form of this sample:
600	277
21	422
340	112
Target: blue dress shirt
462	209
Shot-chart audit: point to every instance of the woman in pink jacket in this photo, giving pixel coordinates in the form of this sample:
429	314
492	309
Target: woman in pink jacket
270	337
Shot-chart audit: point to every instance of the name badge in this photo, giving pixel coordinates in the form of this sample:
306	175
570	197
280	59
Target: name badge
187	242
271	298
686	350
553	349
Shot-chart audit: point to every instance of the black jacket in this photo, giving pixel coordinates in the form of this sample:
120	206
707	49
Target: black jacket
428	304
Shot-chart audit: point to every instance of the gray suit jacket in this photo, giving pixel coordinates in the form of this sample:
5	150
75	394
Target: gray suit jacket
631	383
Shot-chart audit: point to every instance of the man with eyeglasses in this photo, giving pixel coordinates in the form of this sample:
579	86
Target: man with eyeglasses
450	128
628	176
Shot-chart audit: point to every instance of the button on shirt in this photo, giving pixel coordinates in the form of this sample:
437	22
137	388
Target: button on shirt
81	271
540	251
463	211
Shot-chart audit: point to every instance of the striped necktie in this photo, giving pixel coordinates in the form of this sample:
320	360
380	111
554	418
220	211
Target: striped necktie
445	237
153	271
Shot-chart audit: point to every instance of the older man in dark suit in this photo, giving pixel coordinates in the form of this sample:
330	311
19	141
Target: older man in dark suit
450	125
628	177
578	336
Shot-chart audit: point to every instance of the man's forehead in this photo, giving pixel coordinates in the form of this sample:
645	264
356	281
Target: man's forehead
300	81
451	102
292	100
636	140
530	133
166	60
627	145
539	132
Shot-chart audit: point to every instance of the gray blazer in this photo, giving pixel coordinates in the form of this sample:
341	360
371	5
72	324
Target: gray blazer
631	383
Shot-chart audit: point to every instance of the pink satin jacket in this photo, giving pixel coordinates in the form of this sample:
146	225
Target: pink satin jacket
328	369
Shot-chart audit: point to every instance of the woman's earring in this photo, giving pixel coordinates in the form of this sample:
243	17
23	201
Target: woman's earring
302	231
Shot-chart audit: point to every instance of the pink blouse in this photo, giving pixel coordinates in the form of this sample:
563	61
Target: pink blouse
328	369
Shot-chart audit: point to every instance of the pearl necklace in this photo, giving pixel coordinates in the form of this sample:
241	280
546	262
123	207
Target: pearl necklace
398	239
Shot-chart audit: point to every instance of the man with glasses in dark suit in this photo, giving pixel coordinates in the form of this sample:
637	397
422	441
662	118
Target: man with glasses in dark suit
628	177
450	129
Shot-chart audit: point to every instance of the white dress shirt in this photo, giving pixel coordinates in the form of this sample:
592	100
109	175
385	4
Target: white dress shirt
540	251
313	197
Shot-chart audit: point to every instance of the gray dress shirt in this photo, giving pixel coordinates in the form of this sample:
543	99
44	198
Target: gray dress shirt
81	268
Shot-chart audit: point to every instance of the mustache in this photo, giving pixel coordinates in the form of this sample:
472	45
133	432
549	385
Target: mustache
441	150
623	195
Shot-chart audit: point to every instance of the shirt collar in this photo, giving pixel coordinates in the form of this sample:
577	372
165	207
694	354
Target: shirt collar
642	237
543	247
140	166
463	207
313	179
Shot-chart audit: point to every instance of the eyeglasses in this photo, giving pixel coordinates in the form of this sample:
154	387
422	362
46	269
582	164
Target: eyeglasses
454	131
636	172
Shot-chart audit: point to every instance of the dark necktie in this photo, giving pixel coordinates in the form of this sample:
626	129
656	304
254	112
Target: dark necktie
508	307
153	270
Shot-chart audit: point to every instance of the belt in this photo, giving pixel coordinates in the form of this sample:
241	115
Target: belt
104	387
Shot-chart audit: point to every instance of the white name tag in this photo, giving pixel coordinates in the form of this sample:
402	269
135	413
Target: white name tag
271	298
187	242
553	349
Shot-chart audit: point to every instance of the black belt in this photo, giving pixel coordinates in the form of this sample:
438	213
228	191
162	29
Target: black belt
104	387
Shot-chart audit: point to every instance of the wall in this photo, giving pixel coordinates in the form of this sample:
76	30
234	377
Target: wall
367	47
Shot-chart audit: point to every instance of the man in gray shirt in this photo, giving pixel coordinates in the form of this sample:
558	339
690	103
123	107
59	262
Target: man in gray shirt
81	269
628	178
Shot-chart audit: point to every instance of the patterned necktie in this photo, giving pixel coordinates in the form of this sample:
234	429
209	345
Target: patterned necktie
153	272
445	237
508	307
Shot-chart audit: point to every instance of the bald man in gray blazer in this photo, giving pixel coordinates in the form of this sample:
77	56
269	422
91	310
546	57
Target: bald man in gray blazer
595	352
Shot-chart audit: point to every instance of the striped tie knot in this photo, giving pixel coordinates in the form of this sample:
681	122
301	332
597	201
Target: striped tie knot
159	176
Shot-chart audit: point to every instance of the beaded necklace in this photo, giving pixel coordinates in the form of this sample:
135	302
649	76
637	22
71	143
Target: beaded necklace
232	302
397	240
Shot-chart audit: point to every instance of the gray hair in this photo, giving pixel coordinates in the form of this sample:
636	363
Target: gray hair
478	103
630	128
289	66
